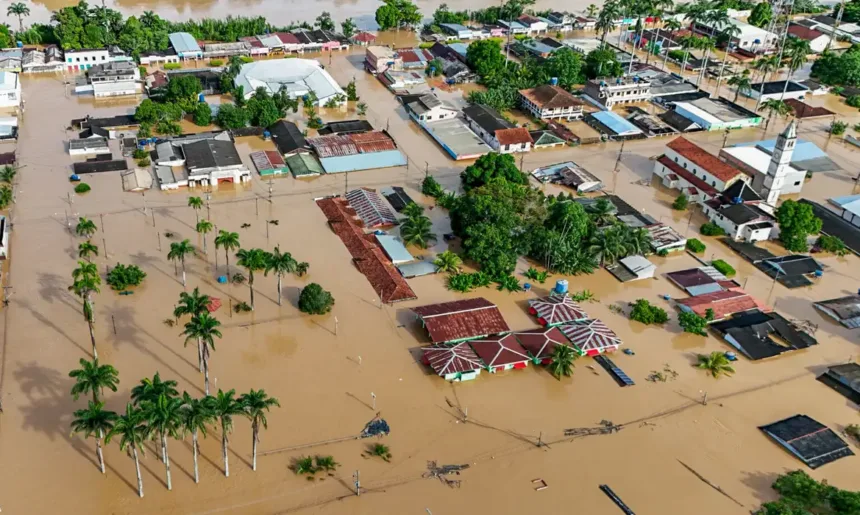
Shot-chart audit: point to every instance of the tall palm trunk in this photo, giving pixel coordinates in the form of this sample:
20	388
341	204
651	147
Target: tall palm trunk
137	468
704	66
166	460
199	355
251	285
227	258
99	451
720	76
88	314
204	243
255	431
224	449
279	289
194	448
183	272
637	42
206	368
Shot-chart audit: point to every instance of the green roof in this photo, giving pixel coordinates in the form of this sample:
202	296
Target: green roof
304	164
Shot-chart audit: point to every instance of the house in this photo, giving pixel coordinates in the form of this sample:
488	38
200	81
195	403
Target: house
568	174
414	58
591	337
500	353
678	122
211	50
548	102
288	138
11	60
621	90
155	80
359	151
185	45
377	59
10	90
330	40
456	31
556	310
632	268
562	21
808	440
829	25
791	270
845	310
404	82
94	145
664	85
665	239
546	139
117	78
85	58
363	39
834	225
698	281
613	126
539	49
448	52
297	76
397	197
848	208
845	379
716	114
689	168
541	343
159	57
269	162
723	303
453	363
417	269
582	45
47	60
818	41
114	127
649	124
533	24
737	212
497	132
749	37
460	320
513	27
304	165
212	162
210	78
585	23
776	90
427	107
371	209
345	127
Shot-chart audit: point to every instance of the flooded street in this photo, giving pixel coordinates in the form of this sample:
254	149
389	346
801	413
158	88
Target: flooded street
324	368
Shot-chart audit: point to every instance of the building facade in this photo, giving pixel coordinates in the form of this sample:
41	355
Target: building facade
549	102
84	59
611	92
771	185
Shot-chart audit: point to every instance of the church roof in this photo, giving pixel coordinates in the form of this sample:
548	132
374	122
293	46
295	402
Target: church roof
790	132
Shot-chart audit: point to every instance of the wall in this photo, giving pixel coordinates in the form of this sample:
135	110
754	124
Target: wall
359	162
696	170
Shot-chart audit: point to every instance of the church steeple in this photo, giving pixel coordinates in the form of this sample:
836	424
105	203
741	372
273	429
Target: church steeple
769	185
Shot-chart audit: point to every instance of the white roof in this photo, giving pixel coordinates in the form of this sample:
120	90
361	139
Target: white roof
752	157
8	81
586	45
298	76
850	203
690	108
638	264
749	31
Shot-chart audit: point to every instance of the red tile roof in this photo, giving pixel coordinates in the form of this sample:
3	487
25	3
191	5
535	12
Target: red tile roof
517	136
556	309
724	303
452	359
540	343
547	96
804	32
287	38
687	176
500	351
461	319
364	37
701	157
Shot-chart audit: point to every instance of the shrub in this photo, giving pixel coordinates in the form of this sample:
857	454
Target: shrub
142	71
853	100
381	450
461	282
143	162
245	59
853	431
123	276
694	245
711	229
216	62
431	187
508	283
242	307
537	275
447	200
140	153
314	300
315	123
692	323
172	66
723	267
663	252
857	127
82	188
645	312
681	202
582	296
832	244
837	128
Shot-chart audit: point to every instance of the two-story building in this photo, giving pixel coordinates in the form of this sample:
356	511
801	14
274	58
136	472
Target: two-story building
85	58
563	21
533	24
111	79
621	90
427	107
549	102
737	212
501	135
10	90
695	172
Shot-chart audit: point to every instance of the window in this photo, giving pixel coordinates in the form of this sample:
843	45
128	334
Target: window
797	183
685	166
77	59
86	59
714	183
103	58
676	159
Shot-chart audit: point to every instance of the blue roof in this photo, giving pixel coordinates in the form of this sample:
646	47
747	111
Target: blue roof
460	48
803	149
616	123
394	248
184	43
369	161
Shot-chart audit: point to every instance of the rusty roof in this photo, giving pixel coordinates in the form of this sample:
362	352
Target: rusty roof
372	141
724	303
498	351
548	96
372	210
540	343
517	136
701	157
461	319
365	37
444	359
556	309
337	145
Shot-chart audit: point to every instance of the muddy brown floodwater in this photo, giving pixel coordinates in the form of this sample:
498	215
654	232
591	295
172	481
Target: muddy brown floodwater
324	368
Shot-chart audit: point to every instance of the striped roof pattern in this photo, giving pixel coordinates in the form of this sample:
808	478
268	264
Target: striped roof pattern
591	334
370	207
540	343
455	359
497	351
557	309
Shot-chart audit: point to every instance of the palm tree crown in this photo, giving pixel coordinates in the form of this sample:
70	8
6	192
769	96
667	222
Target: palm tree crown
228	240
85	228
716	363
93	378
195	203
151	389
20	10
563	357
448	262
203	328
192	303
178	251
7	174
252	260
87	249
164	417
94	421
416	231
280	264
197	414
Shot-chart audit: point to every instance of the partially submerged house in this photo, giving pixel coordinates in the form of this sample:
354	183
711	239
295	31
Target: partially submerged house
453	363
269	162
698	281
500	353
632	268
501	135
198	159
793	270
845	379
568	174
845	310
94	145
339	153
541	343
372	210
288	138
694	171
556	310
808	440
665	239
460	320
737	212
759	335
723	303
397	197
549	102
111	79
591	337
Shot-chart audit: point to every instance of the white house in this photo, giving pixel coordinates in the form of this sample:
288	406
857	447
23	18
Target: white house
84	59
111	79
10	90
533	25
428	107
818	40
737	212
693	171
750	37
548	102
498	133
93	145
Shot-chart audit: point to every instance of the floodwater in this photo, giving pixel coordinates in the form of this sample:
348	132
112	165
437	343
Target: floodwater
324	368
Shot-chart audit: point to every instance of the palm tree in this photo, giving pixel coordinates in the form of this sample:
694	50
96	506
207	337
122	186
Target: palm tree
252	260
85	282
178	251
204	328
151	389
203	227
673	25
6	196
197	414
591	10
766	64
226	407
131	430
94	421
706	44
607	245
638	241
85	228
20	10
93	378
448	262
228	240
280	264
606	19
774	106
255	404
87	249
601	212
417	231
302	268
7	174
741	82
163	417
563	357
412	210
797	53
727	34
193	304
716	363
195	203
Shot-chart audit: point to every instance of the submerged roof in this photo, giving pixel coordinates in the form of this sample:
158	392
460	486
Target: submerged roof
499	351
846	310
540	343
287	137
752	334
461	319
701	157
556	309
589	335
372	210
724	303
454	359
811	441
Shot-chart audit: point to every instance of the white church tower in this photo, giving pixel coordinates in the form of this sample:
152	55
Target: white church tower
770	185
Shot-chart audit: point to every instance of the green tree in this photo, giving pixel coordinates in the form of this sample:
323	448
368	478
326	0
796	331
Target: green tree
692	323
202	114
431	187
93	378
773	107
361	109
7	174
761	15
193	304
252	260
164	418
255	404
87	249
681	202
203	227
741	82
417	231
230	242
608	245
231	117
646	313
591	10
324	21
448	262
131	430
94	422
490	166
262	109
832	244
280	264
85	228
796	222
602	63
226	406
178	251
397	14
149	390
6	196
314	300
85	282
485	57
716	363
351	92
203	328
20	10
197	414
196	203
566	66
347	27
183	89
601	212
562	359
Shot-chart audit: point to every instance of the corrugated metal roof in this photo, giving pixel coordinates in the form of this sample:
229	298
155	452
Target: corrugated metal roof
394	249
372	210
455	359
183	43
591	335
457	320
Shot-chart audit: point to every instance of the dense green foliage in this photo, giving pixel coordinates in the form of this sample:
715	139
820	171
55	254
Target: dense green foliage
800	494
122	276
231	117
837	127
692	323
711	229
832	244
602	63
80	188
716	363
841	69
645	312
431	187
314	300
723	267
695	245
796	222
202	114
396	14
761	15
491	166
681	202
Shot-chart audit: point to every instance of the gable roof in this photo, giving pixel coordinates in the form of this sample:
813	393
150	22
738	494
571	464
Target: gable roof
545	137
210	153
548	96
487	118
809	440
802	32
751	333
288	138
453	359
540	343
591	335
556	309
370	207
515	136
740	214
724	303
687	175
499	351
461	319
846	310
741	190
707	161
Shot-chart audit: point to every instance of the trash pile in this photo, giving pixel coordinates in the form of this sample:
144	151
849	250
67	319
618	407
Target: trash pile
376	427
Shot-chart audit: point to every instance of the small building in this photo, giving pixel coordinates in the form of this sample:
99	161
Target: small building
394	249
453	363
546	139
340	153
288	138
737	212
370	207
568	174
85	58
11	60
269	162
427	107
4	237
456	138
691	169
541	343
10	90
776	90
632	268
304	165
378	59
583	46
47	60
791	271
212	162
539	49
397	197
461	320
116	78
818	41
94	145
501	135
717	114
619	90
845	379
185	45
363	39
845	310
562	21
158	57
415	59
556	310
678	122
698	281
211	50
591	337
723	303
808	440
548	102
533	24
456	31
848	208
113	127
8	128
345	127
649	124
613	125
665	238
417	269
749	37
500	353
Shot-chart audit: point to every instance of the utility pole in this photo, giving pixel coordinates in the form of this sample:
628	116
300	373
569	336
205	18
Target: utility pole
373	399
357	482
208	199
616	169
159	241
257	206
426	169
143	194
725	138
836	25
345	183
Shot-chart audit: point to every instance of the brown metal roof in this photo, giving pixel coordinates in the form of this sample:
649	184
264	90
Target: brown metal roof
498	351
516	136
724	303
540	343
334	145
461	319
550	97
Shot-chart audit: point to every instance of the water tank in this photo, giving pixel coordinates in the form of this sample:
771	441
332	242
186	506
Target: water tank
553	81
561	286
267	135
819	273
19	44
737	200
201	97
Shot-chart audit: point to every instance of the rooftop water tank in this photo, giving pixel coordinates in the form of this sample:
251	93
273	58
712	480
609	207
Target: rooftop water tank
553	81
561	286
